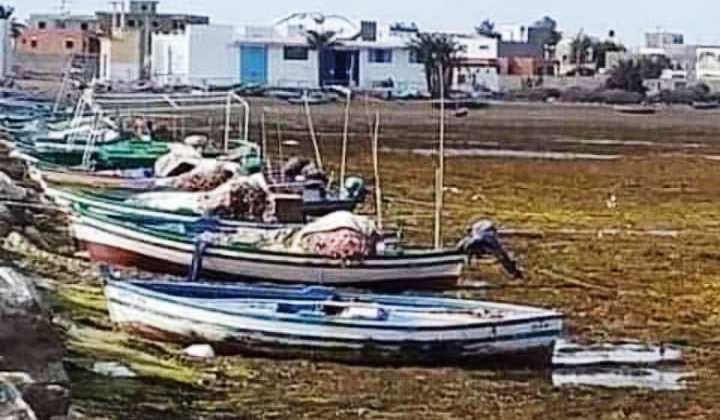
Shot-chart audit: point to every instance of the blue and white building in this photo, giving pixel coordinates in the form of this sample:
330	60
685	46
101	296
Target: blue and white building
365	55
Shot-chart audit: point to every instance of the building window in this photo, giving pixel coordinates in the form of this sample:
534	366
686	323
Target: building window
415	58
84	26
295	53
131	23
42	25
69	44
33	43
483	47
377	55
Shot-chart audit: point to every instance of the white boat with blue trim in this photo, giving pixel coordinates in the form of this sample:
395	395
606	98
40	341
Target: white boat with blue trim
325	323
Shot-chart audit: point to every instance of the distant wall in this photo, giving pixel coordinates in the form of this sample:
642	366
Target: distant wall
508	82
291	73
403	73
213	58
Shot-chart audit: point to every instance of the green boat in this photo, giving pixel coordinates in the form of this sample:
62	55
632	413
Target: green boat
123	154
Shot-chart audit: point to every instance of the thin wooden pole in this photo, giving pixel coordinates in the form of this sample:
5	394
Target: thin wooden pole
346	126
440	176
263	151
313	137
226	142
281	159
376	168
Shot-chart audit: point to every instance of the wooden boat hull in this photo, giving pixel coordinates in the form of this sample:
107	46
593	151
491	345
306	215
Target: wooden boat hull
127	245
529	337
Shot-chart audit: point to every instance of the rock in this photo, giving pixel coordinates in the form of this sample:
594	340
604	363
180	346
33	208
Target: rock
17	294
9	190
30	348
12	405
113	370
47	400
200	351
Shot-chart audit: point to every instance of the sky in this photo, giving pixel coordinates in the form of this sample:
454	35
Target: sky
697	19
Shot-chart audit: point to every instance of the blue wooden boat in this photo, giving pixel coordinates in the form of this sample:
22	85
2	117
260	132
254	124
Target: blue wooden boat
327	323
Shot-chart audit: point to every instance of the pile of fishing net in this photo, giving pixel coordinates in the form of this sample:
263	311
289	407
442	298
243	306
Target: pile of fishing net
241	197
340	235
244	201
206	175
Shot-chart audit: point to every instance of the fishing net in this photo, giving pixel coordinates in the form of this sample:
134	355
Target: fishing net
341	235
343	244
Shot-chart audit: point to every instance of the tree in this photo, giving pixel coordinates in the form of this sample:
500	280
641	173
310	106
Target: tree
602	48
626	76
653	66
630	74
6	11
487	28
435	51
321	41
581	50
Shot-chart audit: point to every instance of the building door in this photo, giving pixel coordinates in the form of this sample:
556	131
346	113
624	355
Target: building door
253	65
340	67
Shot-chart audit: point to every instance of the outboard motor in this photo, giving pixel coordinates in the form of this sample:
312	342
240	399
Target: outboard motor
482	239
354	189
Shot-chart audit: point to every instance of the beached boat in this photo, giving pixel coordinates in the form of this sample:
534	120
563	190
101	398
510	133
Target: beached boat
326	323
171	247
635	109
705	105
289	209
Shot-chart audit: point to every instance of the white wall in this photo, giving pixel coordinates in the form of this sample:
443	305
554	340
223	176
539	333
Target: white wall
213	58
5	49
479	48
404	73
708	63
171	58
201	55
292	73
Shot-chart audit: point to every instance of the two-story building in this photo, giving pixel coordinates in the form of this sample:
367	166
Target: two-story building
49	41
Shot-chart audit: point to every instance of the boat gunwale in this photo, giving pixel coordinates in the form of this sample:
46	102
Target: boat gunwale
540	315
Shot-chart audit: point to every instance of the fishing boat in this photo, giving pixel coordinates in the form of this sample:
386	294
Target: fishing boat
325	323
641	109
114	197
705	105
171	247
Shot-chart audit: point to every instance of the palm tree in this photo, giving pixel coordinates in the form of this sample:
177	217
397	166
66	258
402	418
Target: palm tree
437	51
487	28
581	50
6	11
323	42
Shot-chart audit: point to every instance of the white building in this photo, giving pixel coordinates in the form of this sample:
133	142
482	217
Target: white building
201	55
364	56
708	63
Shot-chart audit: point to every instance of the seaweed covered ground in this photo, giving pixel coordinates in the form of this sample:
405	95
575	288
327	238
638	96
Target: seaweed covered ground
616	223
